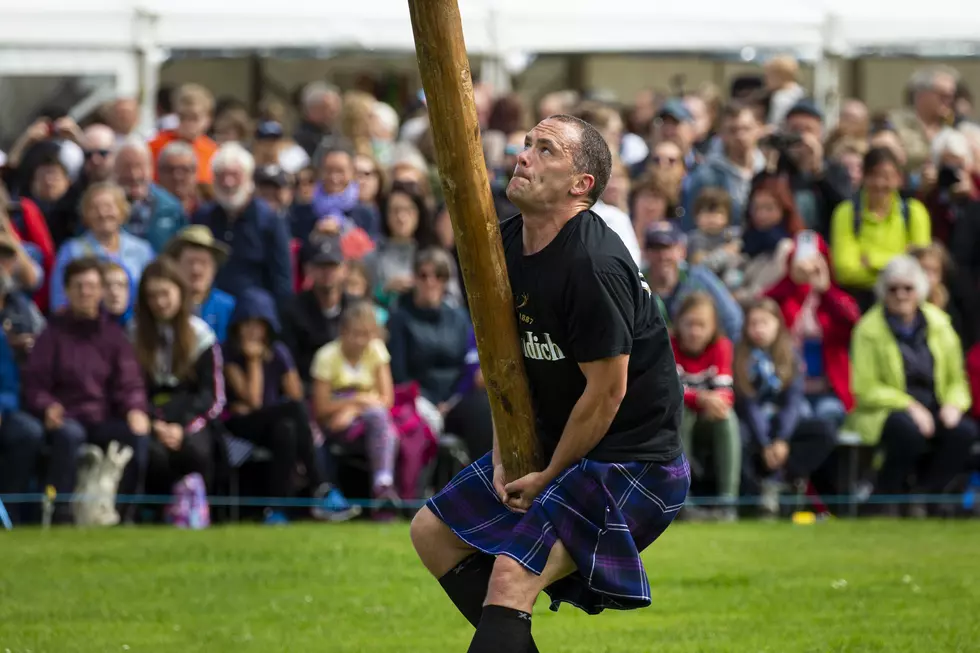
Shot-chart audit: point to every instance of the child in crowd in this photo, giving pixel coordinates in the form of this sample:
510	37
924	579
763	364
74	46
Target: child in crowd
353	394
266	399
116	285
704	363
358	286
716	244
767	239
780	445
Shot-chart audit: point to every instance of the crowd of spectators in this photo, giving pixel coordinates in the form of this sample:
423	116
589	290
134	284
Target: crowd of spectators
226	283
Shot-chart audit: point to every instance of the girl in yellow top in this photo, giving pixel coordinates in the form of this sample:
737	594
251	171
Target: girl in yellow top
887	226
353	394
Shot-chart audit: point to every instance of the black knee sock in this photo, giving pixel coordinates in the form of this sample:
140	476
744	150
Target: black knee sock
502	630
467	584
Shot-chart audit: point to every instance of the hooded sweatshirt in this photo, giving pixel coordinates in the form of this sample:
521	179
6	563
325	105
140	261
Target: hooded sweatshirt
256	304
86	365
198	398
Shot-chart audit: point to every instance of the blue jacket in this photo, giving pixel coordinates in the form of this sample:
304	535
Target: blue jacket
216	311
256	304
260	255
134	255
165	218
9	378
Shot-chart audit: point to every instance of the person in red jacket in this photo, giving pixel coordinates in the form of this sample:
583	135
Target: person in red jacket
26	222
704	364
820	316
973	374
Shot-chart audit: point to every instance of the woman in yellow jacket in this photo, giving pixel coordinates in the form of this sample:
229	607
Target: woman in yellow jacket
909	385
874	227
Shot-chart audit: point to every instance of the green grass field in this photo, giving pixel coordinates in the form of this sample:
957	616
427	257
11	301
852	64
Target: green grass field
750	587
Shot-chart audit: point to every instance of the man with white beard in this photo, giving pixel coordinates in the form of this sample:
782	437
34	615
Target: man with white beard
257	236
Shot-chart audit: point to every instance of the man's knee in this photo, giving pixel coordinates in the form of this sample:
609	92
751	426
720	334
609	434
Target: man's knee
70	434
514	586
23	431
437	546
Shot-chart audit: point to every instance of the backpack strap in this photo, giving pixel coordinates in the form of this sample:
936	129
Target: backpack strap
903	203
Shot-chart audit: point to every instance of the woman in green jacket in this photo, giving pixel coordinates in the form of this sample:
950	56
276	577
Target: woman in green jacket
909	385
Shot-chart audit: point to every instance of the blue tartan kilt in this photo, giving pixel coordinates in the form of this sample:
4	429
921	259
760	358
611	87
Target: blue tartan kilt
605	514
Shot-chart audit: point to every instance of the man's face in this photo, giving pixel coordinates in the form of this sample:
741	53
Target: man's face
278	197
198	267
325	276
325	110
664	262
133	174
230	188
699	111
178	174
194	121
668	128
124	115
545	175
936	103
805	125
740	134
98	144
84	293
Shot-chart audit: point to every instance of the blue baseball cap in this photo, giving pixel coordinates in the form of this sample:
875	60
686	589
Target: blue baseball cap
676	109
806	107
664	234
268	129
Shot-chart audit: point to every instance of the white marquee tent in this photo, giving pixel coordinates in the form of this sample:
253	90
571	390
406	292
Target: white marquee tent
128	39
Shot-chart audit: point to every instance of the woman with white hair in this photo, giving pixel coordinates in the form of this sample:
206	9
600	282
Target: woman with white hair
950	188
909	385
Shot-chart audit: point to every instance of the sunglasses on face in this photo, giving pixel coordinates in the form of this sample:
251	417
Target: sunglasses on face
901	288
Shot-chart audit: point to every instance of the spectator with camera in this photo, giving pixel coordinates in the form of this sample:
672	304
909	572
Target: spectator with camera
950	189
818	184
820	317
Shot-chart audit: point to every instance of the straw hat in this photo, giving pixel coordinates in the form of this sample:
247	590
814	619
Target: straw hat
197	235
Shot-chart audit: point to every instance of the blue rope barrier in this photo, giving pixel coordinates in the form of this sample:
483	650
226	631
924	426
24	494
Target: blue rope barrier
304	502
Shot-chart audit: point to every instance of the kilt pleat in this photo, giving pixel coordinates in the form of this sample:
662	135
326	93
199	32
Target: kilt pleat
605	514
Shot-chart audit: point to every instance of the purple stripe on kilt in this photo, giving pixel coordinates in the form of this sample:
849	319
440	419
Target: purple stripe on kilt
604	513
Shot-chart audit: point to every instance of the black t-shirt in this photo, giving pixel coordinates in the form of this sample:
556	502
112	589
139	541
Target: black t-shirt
582	299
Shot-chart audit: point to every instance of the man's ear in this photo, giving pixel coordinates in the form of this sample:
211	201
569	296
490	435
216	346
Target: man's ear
582	185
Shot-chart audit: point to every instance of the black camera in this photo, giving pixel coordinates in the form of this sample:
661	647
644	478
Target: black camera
781	141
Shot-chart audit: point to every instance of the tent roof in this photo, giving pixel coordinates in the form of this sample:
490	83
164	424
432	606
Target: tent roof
489	25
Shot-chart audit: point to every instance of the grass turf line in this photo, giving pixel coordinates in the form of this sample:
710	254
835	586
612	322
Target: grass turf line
749	587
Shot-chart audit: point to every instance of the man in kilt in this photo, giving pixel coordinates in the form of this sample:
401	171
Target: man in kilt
607	405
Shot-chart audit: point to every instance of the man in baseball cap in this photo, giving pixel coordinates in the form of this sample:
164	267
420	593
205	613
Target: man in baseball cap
670	277
312	319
